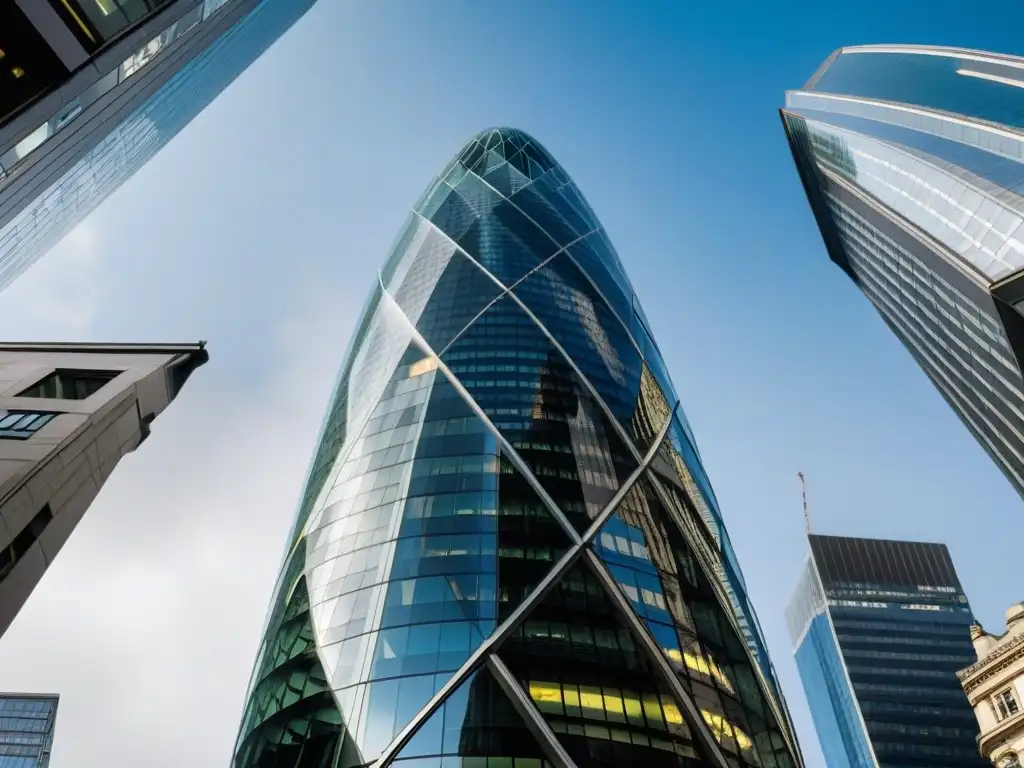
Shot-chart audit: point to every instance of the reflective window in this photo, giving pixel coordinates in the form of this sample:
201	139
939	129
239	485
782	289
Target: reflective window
28	66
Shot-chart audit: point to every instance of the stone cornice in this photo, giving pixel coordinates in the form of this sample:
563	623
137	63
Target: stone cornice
1004	654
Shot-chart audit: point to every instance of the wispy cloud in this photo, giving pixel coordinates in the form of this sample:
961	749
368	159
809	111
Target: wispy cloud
58	296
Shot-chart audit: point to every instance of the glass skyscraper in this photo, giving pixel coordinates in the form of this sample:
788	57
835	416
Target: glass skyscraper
508	554
27	721
912	158
97	87
879	630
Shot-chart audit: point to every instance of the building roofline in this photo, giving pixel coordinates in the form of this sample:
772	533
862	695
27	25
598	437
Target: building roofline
932	50
131	348
16	695
920	50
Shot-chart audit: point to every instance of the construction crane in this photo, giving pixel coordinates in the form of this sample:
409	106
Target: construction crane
803	491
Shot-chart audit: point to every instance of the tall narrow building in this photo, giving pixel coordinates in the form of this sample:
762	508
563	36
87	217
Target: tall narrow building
879	630
90	90
68	414
508	552
912	158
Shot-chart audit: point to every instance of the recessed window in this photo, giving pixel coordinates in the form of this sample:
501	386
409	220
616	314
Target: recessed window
21	425
12	553
69	385
1006	704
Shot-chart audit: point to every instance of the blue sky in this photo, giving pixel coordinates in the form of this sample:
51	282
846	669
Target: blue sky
261	226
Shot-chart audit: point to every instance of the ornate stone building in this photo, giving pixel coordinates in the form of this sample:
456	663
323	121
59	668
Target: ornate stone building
995	688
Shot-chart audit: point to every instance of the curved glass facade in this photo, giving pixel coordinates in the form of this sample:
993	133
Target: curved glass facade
508	554
913	161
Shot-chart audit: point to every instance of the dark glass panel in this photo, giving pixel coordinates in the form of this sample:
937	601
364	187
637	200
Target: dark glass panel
28	66
462	291
506	178
439	289
537	402
567	305
530	540
580	665
476	726
595	256
504	241
659	574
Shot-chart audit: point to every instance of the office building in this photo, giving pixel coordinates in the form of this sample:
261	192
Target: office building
68	414
879	630
994	684
90	90
912	158
507	552
27	721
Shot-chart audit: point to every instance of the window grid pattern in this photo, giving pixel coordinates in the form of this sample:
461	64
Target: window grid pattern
26	730
934	142
56	209
976	376
529	402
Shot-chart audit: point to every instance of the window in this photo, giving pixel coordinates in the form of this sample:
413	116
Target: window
69	385
21	425
1009	761
1006	704
28	66
11	554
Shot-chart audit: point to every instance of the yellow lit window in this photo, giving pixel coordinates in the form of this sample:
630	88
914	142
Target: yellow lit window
426	365
2	54
17	71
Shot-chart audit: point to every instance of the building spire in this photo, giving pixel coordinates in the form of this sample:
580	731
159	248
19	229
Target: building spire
803	492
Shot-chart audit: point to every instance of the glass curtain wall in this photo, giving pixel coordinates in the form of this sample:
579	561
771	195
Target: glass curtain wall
508	554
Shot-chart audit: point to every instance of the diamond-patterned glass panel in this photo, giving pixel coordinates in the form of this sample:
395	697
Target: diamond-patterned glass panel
537	402
589	332
476	726
582	668
501	390
657	571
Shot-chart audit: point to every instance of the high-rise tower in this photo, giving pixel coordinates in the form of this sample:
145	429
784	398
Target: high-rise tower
912	158
507	552
90	90
880	629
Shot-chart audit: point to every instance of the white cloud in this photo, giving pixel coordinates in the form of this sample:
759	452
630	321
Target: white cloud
148	621
58	296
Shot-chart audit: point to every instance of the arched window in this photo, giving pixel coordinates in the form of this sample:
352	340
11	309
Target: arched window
1009	760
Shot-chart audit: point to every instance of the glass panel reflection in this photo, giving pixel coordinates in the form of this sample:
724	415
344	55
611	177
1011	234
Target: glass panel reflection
657	571
476	727
581	667
535	399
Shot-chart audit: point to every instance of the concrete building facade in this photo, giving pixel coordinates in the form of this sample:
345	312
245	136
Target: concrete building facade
68	414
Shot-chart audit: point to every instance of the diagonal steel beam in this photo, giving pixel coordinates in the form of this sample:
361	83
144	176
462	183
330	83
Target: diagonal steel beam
516	618
531	716
693	717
